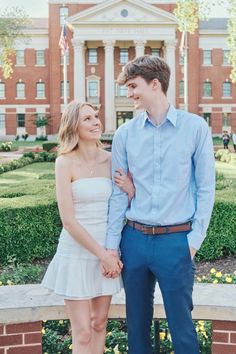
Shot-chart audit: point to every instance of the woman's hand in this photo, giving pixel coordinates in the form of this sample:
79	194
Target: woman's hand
125	182
111	265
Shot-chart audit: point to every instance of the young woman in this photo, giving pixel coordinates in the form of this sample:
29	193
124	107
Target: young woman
83	187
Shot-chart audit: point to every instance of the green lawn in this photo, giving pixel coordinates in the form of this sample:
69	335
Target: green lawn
21	144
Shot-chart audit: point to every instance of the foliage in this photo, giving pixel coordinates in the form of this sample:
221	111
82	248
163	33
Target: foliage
216	277
6	146
49	145
189	12
224	155
232	38
12	24
14	274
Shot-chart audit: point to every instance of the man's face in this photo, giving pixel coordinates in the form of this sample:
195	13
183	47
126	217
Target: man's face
141	92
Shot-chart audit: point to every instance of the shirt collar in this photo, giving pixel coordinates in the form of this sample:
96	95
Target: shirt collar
171	116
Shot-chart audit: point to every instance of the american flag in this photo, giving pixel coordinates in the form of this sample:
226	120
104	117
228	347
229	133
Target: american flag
63	42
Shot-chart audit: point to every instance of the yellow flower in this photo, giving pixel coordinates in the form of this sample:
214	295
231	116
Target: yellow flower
199	279
9	282
109	334
204	334
215	281
116	350
43	331
70	346
0	283
61	322
162	335
201	323
212	271
218	275
203	277
228	280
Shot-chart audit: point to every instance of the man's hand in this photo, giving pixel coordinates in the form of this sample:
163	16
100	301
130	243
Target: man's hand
192	252
115	272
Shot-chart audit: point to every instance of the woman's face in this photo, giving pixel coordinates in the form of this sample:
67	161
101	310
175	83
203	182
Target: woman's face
90	126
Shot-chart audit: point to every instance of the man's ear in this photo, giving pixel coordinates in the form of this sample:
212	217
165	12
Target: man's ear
155	84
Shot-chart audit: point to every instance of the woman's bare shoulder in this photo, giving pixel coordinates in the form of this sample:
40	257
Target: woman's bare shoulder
63	161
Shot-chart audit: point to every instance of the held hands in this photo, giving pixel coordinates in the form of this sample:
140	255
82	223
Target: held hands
111	265
125	182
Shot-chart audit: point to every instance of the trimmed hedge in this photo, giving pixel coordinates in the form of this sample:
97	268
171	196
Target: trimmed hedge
49	145
28	233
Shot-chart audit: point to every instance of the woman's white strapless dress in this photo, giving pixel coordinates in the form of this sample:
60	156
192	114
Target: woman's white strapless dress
74	272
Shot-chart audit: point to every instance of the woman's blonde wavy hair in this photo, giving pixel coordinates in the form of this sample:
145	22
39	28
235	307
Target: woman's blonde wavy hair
68	132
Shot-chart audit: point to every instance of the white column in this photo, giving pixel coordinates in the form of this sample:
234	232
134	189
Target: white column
139	47
170	59
79	70
110	114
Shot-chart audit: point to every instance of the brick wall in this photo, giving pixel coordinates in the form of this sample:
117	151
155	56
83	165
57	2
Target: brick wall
23	338
223	337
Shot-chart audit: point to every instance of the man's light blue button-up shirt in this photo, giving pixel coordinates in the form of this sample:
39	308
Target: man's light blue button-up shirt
172	165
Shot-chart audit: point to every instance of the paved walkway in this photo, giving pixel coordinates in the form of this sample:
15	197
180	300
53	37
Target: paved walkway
9	156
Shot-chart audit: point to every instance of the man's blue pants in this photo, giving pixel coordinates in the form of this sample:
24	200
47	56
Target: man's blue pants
166	259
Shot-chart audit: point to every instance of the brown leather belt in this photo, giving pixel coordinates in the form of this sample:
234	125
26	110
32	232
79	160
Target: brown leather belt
159	230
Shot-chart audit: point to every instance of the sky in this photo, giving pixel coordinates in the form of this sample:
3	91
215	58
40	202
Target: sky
35	10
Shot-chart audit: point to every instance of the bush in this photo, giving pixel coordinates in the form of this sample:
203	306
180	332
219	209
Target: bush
49	145
221	235
6	146
28	232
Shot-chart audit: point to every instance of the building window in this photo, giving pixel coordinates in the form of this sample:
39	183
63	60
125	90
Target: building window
20	57
207	117
207	57
181	88
92	56
122	117
67	58
2	120
207	89
20	120
226	119
2	90
226	57
122	91
64	12
226	89
93	88
156	52
124	56
40	90
181	59
20	90
40	57
67	88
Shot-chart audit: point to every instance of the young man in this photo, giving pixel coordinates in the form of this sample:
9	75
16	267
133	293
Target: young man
169	154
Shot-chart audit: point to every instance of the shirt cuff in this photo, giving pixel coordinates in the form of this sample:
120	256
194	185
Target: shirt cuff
113	242
195	239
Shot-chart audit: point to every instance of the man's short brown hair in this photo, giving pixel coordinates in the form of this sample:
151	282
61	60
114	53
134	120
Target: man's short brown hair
148	67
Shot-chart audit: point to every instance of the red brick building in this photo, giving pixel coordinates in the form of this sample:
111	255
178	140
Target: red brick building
106	35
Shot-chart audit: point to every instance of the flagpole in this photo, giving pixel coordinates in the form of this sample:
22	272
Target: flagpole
186	71
65	78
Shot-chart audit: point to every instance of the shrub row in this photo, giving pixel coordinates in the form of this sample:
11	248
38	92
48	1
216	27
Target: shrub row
27	159
28	233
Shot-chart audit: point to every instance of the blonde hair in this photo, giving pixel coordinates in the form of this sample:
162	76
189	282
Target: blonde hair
68	132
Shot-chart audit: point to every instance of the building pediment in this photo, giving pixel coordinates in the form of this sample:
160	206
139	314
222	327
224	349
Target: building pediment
123	12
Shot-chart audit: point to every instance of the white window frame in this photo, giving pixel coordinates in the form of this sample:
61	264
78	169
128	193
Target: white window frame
205	89
20	90
2	120
40	58
23	120
92	56
67	88
207	57
40	90
2	90
225	58
124	55
20	57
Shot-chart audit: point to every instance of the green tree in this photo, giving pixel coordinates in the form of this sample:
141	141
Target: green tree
12	24
189	12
